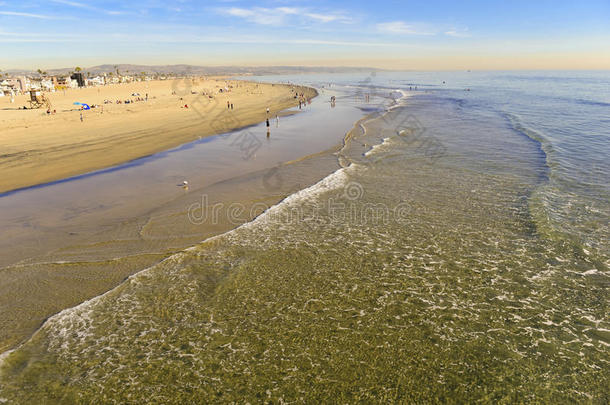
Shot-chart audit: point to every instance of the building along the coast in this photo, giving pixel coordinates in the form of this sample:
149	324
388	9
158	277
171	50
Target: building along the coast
96	81
23	84
8	87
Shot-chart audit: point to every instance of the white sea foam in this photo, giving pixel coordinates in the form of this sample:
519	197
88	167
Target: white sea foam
400	101
80	313
4	355
377	148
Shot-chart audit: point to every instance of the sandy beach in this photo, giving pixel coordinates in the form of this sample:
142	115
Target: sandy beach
40	147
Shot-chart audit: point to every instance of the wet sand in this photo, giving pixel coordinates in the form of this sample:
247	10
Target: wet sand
38	147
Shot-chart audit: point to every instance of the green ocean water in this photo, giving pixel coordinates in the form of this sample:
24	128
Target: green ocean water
426	270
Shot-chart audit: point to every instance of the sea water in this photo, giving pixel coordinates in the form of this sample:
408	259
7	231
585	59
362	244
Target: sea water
460	254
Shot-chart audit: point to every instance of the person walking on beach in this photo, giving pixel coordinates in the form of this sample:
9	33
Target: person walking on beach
231	106
81	117
267	110
277	121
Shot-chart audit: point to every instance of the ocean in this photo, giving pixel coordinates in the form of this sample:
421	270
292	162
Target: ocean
459	253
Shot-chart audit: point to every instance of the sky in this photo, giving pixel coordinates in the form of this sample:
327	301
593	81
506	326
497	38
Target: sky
419	35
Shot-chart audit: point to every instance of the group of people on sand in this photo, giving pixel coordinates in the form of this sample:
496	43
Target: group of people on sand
126	101
303	101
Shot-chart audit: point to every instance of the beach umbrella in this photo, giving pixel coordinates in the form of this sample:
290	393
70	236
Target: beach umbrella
85	106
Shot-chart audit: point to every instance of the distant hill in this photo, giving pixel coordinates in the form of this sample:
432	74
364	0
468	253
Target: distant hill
201	70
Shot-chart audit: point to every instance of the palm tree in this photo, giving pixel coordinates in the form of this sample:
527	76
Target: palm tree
77	69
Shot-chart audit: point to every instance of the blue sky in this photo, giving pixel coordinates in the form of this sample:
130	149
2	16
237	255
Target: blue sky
394	34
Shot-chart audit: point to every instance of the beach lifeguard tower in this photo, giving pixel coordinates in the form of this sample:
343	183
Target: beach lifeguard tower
38	100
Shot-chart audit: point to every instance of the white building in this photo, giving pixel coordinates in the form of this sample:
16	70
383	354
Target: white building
47	85
96	81
23	84
34	85
5	88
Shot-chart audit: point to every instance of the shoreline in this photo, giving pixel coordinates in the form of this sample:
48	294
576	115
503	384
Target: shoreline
271	198
39	152
150	237
334	152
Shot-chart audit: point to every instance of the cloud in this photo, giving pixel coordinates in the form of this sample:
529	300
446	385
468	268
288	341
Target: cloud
36	37
326	18
86	7
289	10
280	15
458	33
263	16
18	14
402	28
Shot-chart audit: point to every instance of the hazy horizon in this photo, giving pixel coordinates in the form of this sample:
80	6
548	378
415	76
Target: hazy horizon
419	35
306	66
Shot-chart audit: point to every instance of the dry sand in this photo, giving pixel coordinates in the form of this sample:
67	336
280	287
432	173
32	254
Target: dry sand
38	148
